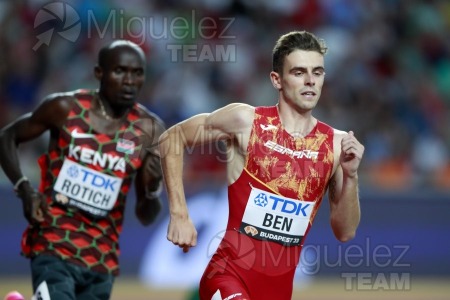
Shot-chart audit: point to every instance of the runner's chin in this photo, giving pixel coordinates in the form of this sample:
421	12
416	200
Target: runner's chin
127	100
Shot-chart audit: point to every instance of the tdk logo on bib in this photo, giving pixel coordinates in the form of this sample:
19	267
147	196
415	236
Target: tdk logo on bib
282	205
261	200
289	206
91	178
73	172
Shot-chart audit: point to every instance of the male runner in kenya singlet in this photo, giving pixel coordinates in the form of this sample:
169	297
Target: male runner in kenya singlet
280	162
100	141
87	176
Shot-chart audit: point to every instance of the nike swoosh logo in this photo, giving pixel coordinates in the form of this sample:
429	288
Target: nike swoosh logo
268	127
79	135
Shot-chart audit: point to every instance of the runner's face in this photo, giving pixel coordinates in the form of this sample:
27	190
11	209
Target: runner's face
302	78
123	76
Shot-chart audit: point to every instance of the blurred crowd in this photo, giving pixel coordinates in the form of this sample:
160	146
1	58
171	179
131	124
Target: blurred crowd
387	68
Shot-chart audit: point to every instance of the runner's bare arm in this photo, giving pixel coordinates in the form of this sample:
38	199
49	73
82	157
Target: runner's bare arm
148	182
343	187
50	115
222	124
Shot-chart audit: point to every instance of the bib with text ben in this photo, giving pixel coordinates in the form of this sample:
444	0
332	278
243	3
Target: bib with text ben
275	218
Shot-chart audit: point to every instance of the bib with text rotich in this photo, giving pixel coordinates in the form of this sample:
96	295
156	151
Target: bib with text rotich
275	218
87	189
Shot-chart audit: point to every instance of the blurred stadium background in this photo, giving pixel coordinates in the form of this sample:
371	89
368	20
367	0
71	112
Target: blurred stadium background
388	80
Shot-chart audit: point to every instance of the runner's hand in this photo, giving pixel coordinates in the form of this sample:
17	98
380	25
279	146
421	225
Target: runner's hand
34	204
182	232
351	154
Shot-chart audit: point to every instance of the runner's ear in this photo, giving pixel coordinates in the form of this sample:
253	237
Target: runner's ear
98	72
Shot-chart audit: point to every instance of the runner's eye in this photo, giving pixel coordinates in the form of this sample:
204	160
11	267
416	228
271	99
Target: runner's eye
118	71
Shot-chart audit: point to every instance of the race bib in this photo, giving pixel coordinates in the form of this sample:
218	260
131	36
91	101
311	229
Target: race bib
276	218
86	189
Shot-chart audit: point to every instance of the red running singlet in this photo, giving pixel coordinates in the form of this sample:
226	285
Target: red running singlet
271	208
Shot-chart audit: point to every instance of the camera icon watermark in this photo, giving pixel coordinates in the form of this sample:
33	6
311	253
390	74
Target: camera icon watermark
57	17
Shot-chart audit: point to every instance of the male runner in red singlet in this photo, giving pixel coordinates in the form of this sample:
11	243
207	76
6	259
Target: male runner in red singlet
99	142
281	161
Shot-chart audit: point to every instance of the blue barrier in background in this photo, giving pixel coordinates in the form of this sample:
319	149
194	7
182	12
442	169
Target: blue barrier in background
398	233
